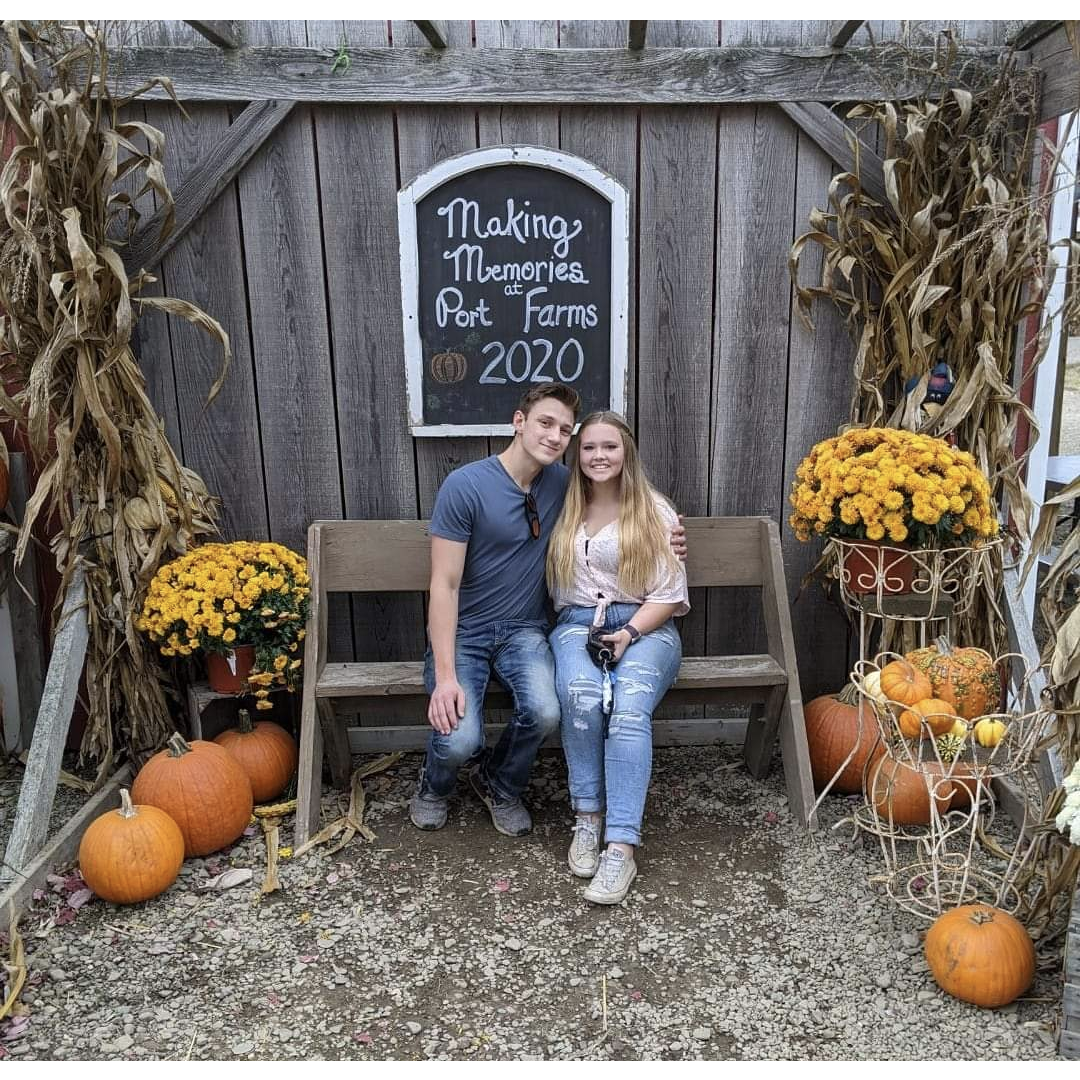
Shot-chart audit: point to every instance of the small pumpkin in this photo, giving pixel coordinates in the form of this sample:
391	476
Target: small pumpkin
448	367
959	729
265	751
902	794
966	678
871	687
832	729
990	732
939	719
202	787
980	954
904	683
131	854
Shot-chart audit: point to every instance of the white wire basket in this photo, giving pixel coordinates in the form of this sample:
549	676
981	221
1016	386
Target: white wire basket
907	584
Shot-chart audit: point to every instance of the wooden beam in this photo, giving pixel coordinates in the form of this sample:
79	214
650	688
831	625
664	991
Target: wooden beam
831	134
38	788
226	34
65	847
636	38
434	31
680	76
1031	32
840	33
206	182
1055	56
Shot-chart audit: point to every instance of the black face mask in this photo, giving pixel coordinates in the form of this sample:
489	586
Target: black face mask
601	651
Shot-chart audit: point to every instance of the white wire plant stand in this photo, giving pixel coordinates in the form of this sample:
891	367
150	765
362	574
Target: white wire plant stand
929	802
936	851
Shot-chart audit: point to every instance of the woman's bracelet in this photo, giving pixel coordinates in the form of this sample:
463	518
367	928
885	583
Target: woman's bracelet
633	631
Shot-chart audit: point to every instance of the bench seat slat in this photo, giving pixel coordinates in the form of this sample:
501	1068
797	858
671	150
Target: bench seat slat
407	676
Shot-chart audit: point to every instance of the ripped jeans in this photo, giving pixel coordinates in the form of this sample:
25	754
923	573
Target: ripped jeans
611	776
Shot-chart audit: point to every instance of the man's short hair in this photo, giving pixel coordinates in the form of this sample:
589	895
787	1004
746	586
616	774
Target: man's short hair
566	394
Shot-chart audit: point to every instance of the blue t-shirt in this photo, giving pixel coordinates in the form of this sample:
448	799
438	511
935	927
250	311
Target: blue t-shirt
481	505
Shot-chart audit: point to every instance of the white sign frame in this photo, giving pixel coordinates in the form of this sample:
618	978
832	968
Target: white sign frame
446	170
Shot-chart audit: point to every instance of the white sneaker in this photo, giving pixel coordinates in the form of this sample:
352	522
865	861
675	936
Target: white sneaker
613	878
584	856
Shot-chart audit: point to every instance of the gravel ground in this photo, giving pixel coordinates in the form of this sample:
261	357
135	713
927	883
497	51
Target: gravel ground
743	937
66	804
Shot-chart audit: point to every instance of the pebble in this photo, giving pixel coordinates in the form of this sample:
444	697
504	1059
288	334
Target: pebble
615	973
883	979
414	1027
702	1034
59	975
514	945
242	1047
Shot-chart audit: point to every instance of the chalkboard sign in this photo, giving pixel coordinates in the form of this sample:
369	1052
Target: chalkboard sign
514	273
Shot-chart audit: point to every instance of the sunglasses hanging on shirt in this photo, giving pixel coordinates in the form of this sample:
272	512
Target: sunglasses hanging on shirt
532	515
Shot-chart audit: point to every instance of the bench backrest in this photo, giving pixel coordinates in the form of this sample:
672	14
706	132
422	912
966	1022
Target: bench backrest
394	556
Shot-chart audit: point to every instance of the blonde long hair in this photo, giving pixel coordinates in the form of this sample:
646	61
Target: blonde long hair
644	538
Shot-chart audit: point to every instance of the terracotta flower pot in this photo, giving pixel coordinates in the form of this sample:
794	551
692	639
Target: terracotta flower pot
228	674
866	562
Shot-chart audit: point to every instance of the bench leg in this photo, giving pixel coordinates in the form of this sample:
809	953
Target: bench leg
796	755
336	744
309	780
761	732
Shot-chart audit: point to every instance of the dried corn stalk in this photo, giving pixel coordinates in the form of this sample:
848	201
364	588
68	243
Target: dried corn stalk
110	487
947	270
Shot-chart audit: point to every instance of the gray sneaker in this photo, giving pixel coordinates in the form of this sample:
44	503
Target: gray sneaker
427	811
584	856
509	816
613	878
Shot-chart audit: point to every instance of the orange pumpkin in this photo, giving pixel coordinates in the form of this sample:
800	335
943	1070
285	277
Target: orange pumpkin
900	793
131	854
903	682
966	678
202	788
965	785
980	954
832	729
937	714
266	752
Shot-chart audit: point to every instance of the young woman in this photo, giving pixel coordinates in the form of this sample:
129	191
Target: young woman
611	570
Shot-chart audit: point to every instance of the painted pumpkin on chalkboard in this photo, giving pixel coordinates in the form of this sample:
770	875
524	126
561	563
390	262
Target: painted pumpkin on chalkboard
448	367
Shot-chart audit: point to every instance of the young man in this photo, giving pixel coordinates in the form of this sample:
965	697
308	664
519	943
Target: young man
488	613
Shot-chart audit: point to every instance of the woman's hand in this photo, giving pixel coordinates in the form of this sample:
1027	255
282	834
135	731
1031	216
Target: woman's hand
678	539
619	641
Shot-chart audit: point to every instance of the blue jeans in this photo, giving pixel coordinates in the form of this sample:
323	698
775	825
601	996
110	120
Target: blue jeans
518	653
611	776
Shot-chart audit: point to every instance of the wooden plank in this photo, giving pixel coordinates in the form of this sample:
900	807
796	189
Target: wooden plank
287	290
830	133
357	166
220	442
407	677
206	181
30	826
64	848
25	609
1069	1045
376	740
608	137
658	75
676	209
840	33
389	556
754	225
636	34
427	135
228	34
434	32
309	769
1055	57
819	389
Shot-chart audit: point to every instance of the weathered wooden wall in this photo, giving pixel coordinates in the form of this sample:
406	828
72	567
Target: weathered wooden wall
299	260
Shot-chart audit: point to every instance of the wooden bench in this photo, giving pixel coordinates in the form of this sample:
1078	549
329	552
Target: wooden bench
393	556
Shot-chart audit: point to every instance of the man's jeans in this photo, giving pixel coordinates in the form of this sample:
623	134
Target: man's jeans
519	655
611	775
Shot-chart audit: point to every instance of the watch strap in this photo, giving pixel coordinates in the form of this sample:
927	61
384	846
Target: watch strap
633	631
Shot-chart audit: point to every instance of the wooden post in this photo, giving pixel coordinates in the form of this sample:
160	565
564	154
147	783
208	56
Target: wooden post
434	31
38	788
225	34
636	36
24	604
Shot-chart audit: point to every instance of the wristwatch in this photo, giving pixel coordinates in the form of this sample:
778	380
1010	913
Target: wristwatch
633	631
